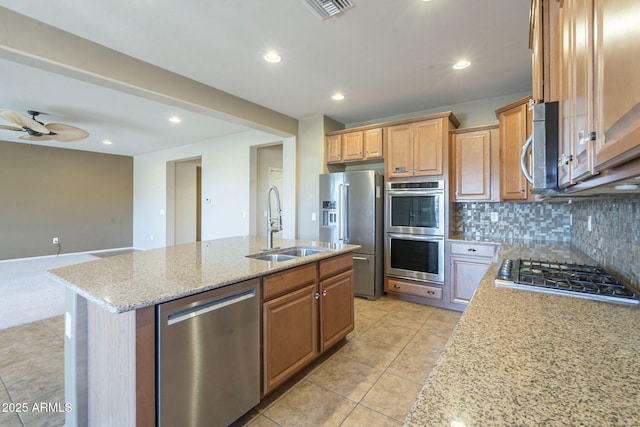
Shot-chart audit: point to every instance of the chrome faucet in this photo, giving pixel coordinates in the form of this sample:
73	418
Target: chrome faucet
273	224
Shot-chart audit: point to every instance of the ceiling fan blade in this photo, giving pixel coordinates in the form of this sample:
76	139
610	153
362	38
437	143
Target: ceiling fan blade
36	138
10	128
23	121
66	133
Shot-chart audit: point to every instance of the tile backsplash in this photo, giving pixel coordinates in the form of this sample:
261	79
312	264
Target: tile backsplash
528	221
614	239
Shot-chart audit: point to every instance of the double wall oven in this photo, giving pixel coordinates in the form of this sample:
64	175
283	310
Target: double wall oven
414	225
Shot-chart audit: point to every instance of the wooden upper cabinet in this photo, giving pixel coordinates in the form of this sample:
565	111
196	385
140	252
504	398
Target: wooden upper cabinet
515	128
427	147
399	153
352	144
544	42
617	82
333	148
476	154
417	148
535	44
373	143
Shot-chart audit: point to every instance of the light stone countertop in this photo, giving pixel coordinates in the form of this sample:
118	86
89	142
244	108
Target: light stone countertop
140	279
523	358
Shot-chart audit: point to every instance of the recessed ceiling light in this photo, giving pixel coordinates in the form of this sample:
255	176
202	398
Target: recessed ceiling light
337	97
272	57
107	142
175	119
623	187
461	64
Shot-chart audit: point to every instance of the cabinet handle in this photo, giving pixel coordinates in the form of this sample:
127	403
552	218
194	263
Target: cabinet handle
584	137
401	169
396	286
471	250
431	292
316	295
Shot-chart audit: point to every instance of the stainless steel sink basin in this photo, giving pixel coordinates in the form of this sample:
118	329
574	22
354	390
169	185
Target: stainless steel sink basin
301	251
287	254
272	257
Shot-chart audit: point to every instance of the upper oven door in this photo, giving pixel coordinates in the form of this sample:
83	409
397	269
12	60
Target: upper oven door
415	212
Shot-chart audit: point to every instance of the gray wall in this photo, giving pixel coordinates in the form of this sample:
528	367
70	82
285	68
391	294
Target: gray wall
85	199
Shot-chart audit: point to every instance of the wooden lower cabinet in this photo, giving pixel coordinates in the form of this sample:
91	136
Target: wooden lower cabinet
411	288
336	305
468	263
290	334
305	311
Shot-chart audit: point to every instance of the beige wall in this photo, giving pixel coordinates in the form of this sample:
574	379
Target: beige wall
83	198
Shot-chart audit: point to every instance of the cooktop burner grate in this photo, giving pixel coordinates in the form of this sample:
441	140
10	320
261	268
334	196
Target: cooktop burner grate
564	278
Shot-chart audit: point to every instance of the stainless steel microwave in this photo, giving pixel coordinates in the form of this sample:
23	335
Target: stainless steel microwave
544	142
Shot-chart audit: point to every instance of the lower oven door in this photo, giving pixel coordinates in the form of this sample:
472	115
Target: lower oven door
416	257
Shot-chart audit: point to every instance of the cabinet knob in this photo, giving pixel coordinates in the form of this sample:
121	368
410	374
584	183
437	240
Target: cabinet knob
431	292
471	250
396	286
316	295
324	293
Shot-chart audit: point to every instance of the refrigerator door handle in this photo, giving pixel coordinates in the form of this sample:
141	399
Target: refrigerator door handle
360	258
345	213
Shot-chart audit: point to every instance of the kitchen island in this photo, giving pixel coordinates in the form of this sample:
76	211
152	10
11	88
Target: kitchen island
111	314
526	358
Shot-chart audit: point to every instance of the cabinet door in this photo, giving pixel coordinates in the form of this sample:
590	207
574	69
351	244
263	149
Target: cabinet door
290	334
352	144
513	135
427	147
617	82
399	158
373	143
580	89
472	157
466	273
334	148
535	44
336	306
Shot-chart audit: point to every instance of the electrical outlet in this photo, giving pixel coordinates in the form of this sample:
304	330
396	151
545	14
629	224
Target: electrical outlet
589	223
56	241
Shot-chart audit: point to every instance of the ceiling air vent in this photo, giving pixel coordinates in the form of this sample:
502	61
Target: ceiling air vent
328	8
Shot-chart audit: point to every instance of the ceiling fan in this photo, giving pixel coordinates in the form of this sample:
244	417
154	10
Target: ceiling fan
38	131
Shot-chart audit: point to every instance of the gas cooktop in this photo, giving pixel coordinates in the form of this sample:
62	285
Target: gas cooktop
577	280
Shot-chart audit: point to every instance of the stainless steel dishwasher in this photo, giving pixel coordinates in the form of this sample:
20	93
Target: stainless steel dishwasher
208	357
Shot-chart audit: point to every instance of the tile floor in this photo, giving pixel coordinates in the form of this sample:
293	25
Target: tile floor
371	379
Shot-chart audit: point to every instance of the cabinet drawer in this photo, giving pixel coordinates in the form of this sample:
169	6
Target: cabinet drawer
472	249
336	264
419	290
288	280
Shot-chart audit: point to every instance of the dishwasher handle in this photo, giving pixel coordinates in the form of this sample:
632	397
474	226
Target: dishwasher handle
209	306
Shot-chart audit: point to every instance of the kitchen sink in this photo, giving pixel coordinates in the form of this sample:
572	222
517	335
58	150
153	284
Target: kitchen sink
301	251
287	254
272	257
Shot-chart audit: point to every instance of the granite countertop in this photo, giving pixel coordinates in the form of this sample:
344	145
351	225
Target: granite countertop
527	358
140	279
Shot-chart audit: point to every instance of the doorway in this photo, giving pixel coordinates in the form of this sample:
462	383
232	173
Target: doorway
184	201
267	170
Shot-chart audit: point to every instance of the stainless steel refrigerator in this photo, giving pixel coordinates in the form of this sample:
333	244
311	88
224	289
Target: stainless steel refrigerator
351	204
